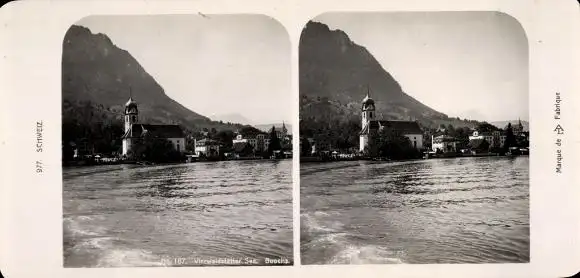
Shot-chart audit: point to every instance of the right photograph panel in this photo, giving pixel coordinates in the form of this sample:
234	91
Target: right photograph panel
414	139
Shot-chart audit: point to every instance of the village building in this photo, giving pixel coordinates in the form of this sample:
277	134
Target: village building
372	127
444	143
255	142
488	137
260	142
207	147
282	133
517	129
285	137
498	138
135	130
239	139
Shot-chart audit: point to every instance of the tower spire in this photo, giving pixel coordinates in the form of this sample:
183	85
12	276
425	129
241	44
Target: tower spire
368	91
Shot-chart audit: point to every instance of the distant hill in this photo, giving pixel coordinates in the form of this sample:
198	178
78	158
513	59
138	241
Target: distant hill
98	74
232	118
335	74
503	124
268	127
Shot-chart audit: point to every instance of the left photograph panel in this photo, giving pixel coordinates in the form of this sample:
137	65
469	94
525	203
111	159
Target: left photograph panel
176	141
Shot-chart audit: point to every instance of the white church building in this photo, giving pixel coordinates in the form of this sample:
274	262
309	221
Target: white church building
135	130
371	127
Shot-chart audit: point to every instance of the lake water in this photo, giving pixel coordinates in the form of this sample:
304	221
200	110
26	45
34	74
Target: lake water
215	213
463	210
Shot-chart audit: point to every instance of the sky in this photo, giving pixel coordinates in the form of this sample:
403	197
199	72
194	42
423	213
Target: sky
211	64
464	64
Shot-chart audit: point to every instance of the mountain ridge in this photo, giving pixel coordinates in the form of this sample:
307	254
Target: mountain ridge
231	118
336	73
503	124
268	127
94	69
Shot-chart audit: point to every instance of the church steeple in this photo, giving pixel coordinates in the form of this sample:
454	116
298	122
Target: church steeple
131	113
284	130
520	127
368	108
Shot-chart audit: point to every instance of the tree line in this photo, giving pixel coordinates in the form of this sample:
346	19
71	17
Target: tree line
92	128
344	135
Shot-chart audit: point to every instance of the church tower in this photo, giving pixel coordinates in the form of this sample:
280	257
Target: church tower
131	117
368	110
284	130
367	115
131	114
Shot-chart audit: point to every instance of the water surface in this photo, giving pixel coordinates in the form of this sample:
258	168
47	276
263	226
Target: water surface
463	210
223	213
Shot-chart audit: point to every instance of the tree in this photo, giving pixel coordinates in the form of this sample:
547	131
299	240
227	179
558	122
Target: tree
394	145
522	141
243	149
274	142
67	152
306	149
486	127
154	150
92	127
341	133
374	145
449	130
225	137
462	137
510	140
249	131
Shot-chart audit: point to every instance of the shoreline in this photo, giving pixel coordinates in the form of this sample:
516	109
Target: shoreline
330	160
146	163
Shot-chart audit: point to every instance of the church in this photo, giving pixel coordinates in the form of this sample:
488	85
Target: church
135	130
372	127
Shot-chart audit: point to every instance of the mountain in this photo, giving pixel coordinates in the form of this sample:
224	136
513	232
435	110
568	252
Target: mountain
268	127
503	124
97	73
336	73
232	118
471	114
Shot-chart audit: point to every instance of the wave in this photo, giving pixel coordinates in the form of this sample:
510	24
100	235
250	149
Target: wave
340	248
74	226
88	245
102	252
324	239
365	255
129	258
311	223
